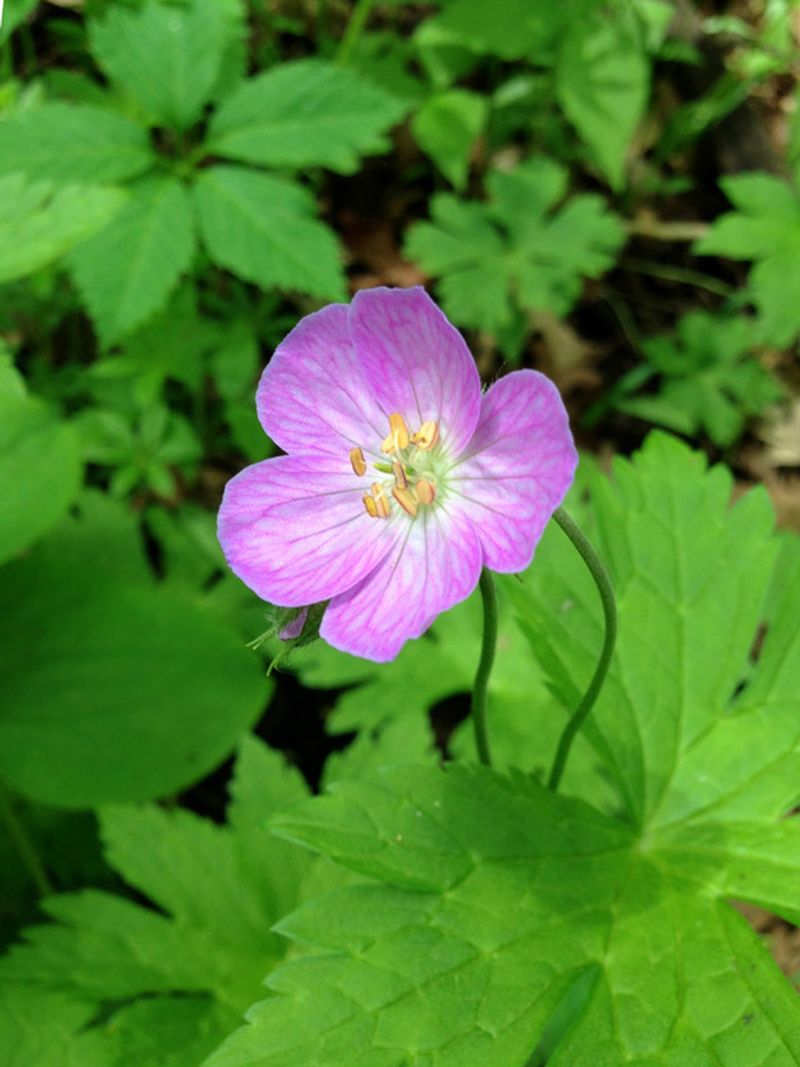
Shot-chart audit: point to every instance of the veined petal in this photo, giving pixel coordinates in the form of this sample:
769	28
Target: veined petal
517	468
313	396
433	566
415	362
296	531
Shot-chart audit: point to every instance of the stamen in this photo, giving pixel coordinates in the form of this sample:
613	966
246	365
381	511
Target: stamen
357	461
426	492
381	503
405	499
426	436
370	505
400	479
398	437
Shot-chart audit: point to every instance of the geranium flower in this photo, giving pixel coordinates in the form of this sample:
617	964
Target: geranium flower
401	480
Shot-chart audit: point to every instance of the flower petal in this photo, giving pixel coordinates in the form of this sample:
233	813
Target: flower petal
415	362
517	468
313	397
434	566
296	531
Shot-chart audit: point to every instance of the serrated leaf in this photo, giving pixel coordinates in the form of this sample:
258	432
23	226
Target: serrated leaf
40	222
490	897
602	83
73	143
167	57
446	127
126	272
305	113
40	467
190	969
765	227
518	249
262	228
114	688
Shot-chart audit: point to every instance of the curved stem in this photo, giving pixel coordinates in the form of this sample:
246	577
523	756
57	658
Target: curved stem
484	666
604	588
355	27
24	845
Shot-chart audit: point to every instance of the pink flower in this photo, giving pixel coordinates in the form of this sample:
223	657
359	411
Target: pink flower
401	480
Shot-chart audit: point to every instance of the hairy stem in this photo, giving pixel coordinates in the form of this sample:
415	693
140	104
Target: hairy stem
484	666
604	588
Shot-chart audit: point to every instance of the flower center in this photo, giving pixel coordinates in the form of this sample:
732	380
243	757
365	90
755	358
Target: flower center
411	461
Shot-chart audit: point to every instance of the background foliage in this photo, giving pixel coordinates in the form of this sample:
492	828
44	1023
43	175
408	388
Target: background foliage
606	190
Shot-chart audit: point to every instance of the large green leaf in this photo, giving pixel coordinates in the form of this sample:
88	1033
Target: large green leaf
495	907
126	272
262	228
305	113
113	688
188	971
166	56
40	222
40	466
73	143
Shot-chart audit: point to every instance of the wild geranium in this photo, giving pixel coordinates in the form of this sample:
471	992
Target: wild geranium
401	480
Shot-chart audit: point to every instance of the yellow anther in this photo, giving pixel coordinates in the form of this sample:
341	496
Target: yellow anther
400	479
371	505
357	461
381	503
426	492
398	436
427	435
405	499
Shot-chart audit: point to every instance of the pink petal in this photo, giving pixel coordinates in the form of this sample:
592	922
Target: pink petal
434	566
517	468
416	363
295	529
313	397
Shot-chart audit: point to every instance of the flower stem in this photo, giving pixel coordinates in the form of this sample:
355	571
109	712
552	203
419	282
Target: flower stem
604	588
484	666
355	27
23	844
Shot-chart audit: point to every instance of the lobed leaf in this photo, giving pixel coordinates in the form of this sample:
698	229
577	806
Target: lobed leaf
156	230
262	228
305	113
73	143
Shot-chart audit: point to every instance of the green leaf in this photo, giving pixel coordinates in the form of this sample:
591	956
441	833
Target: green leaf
114	688
15	12
602	83
73	143
765	227
520	249
40	466
167	57
446	127
40	222
713	380
190	968
491	901
262	228
39	1028
126	272
305	113
517	28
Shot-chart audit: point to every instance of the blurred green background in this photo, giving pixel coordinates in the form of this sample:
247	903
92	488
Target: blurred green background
606	191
